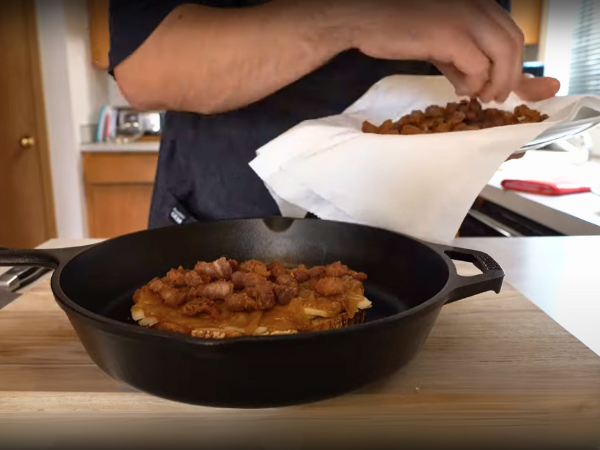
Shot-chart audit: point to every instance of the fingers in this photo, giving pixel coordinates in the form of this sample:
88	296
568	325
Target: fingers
456	77
537	89
464	64
489	63
504	20
464	85
502	41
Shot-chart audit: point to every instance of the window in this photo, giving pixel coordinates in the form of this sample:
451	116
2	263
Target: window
584	77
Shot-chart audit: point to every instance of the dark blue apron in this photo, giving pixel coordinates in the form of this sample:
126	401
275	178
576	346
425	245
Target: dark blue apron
203	171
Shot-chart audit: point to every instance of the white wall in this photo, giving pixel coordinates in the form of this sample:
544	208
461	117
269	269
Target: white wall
557	39
115	97
73	94
87	84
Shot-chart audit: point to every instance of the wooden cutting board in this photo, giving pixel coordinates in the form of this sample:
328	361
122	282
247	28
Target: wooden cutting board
493	362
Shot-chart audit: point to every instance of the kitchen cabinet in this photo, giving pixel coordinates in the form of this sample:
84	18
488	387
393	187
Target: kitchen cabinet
118	190
99	32
528	15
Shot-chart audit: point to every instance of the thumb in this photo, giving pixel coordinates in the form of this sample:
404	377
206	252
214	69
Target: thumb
533	89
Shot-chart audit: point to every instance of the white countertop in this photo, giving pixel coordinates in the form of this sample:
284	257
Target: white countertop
109	147
572	215
557	274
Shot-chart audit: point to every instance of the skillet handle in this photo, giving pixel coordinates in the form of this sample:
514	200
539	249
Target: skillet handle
50	259
491	279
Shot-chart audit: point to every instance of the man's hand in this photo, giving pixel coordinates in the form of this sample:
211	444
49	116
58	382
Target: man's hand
533	89
212	60
474	43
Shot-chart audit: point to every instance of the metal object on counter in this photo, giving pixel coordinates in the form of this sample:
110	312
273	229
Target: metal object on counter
15	279
19	277
487	219
585	120
494	225
132	124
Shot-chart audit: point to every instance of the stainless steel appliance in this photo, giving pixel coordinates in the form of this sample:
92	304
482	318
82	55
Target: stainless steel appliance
15	279
132	124
486	219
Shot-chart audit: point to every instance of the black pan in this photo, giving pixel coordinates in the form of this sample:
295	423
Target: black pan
409	282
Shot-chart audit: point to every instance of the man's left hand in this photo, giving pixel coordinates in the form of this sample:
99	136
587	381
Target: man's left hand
534	89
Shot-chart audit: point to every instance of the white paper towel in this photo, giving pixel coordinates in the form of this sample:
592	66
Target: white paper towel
420	185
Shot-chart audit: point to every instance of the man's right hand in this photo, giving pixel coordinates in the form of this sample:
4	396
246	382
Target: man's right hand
212	60
474	43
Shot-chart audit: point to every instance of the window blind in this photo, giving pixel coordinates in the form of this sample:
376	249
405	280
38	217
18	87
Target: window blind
585	53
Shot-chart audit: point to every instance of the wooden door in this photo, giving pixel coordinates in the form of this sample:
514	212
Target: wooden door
26	208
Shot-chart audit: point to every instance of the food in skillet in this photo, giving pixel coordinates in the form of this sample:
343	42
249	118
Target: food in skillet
225	299
463	116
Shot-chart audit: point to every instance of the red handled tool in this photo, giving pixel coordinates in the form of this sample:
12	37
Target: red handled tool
554	186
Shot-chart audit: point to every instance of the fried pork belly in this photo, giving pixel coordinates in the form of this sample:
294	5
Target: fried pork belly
226	299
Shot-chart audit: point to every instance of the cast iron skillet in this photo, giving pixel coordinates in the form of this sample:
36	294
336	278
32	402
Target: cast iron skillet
409	282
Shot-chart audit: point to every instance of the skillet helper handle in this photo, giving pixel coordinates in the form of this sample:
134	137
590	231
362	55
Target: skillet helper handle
48	258
491	279
10	257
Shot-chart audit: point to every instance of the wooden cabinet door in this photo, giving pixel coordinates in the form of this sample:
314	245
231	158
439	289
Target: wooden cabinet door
99	32
528	15
118	189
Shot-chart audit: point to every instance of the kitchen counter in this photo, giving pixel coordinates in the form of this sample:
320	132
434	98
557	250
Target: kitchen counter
107	147
571	215
493	364
558	274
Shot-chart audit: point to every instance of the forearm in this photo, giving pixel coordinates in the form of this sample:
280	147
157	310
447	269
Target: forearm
212	60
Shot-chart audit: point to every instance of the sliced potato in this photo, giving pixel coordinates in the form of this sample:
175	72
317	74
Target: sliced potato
139	316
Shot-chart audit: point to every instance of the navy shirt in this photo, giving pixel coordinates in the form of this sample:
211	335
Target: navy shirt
203	171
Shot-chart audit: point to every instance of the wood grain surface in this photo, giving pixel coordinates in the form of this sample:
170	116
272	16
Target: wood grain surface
98	17
493	363
118	190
